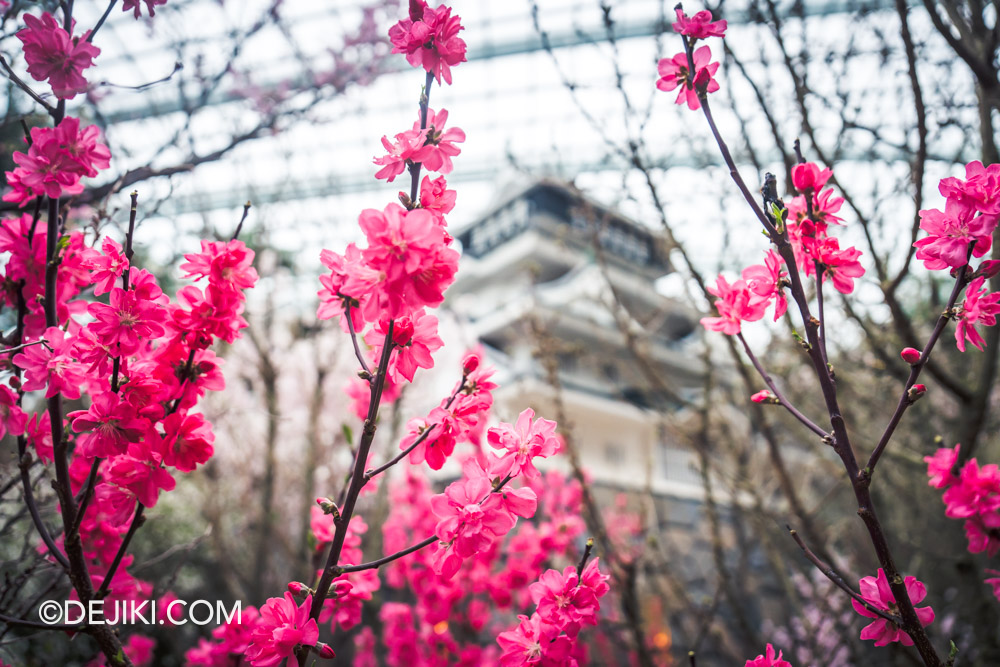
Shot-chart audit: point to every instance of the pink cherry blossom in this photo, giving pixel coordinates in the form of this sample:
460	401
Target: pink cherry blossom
736	304
110	425
139	472
674	73
978	307
53	369
949	234
52	54
436	154
107	267
283	625
429	38
532	641
399	153
939	467
808	176
698	26
980	189
768	280
187	441
876	592
523	441
976	491
126	322
768	659
415	337
227	266
435	195
13	420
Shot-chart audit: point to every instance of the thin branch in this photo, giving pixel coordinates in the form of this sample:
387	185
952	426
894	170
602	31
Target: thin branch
839	582
25	87
100	22
785	403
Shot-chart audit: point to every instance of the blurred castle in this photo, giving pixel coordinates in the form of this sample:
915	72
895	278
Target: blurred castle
561	292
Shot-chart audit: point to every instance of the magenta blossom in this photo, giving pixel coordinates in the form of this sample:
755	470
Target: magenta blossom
736	304
523	441
51	53
283	625
698	26
977	308
768	659
674	73
429	38
876	592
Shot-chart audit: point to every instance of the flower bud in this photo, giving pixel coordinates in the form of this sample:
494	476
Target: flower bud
915	392
297	588
988	269
910	355
764	396
327	505
15	383
470	363
325	651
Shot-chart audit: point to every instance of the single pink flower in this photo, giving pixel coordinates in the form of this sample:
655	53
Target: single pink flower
523	441
978	307
736	304
187	441
13	419
107	267
51	53
876	592
53	369
768	280
127	322
674	73
435	195
562	602
768	659
949	234
698	26
436	154
109	425
283	626
808	176
939	467
980	189
399	153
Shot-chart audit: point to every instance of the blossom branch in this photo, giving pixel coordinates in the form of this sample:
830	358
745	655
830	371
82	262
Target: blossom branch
838	581
416	443
905	400
137	521
100	22
375	564
841	441
29	500
586	555
769	381
357	479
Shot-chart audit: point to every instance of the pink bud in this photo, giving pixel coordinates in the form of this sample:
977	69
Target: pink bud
402	332
470	363
989	268
807	176
295	587
325	651
15	383
327	505
763	396
910	355
916	391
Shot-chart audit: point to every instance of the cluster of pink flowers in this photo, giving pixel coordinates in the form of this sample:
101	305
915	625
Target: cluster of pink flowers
973	494
432	146
876	592
816	253
693	76
57	158
447	608
480	508
54	55
429	38
748	298
566	601
962	231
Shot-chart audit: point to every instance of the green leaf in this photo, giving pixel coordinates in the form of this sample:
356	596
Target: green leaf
348	434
